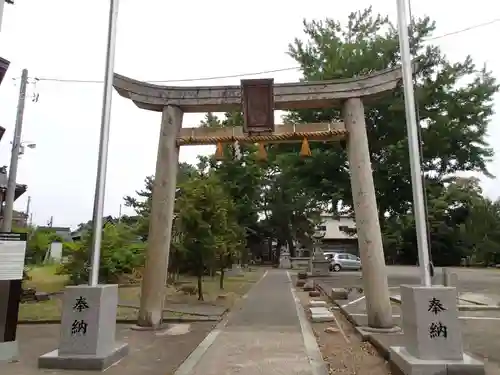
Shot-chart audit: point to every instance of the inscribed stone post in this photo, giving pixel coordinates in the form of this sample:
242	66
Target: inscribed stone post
430	322
88	327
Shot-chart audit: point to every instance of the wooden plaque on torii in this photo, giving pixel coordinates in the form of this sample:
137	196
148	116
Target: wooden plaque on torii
257	99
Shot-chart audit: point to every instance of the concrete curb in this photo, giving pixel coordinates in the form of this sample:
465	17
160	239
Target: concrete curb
316	361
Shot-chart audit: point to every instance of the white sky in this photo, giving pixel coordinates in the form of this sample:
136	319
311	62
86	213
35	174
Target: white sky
158	40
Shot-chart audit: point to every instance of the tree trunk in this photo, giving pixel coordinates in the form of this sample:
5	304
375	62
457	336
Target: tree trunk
200	283
221	278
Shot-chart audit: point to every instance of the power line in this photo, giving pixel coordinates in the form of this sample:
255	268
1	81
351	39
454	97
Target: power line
291	68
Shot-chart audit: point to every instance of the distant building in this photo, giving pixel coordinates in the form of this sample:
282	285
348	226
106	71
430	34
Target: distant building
85	228
340	233
63	232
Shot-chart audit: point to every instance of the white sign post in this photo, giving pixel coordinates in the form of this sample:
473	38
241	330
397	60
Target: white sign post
12	253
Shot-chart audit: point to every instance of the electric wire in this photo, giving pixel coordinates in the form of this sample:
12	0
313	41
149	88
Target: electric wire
239	75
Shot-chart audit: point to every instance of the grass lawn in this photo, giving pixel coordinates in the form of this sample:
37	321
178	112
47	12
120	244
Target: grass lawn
44	279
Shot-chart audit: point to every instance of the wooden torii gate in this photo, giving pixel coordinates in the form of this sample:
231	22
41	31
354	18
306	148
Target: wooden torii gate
258	99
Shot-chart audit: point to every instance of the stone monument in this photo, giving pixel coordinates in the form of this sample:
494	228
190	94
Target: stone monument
88	327
432	333
285	261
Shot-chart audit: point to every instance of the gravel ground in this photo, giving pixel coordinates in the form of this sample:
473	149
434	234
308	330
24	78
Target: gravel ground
343	351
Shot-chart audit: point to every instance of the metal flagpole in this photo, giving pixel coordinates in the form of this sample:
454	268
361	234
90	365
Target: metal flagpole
413	145
103	146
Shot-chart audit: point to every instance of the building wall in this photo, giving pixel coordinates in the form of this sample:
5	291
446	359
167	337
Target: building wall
333	227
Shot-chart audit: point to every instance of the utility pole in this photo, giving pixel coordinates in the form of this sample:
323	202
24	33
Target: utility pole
14	158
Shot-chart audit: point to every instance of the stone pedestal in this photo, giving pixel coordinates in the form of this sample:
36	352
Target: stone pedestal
88	327
432	332
320	266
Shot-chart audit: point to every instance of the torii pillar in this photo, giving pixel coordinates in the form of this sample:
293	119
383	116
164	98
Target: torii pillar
348	94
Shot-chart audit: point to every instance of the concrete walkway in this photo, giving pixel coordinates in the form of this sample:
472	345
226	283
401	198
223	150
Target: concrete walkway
268	334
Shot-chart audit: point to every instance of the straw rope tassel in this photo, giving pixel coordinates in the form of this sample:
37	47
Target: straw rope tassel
261	152
305	150
219	151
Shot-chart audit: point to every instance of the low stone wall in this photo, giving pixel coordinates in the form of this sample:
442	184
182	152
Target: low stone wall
300	262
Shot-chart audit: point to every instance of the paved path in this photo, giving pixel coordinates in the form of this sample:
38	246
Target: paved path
268	334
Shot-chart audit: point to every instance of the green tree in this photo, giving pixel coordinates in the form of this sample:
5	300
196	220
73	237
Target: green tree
121	254
38	243
454	101
142	203
204	218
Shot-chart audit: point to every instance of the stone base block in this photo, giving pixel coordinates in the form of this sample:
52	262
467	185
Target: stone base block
302	275
8	350
309	286
407	364
300	283
319	318
54	360
321	314
320	268
339	293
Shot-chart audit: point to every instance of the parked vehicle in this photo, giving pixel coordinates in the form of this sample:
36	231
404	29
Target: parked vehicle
345	262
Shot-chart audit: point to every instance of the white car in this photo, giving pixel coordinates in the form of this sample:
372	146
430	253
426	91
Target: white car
345	261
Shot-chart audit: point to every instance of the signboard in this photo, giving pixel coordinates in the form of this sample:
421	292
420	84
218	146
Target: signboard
257	97
12	253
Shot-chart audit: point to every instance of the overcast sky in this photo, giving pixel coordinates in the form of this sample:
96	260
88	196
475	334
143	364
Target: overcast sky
158	40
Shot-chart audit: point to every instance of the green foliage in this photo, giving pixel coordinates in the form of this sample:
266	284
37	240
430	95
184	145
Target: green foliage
206	224
454	116
455	105
121	253
38	243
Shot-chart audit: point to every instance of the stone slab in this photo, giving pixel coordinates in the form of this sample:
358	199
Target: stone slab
56	360
316	303
319	310
314	293
339	293
410	365
430	322
316	318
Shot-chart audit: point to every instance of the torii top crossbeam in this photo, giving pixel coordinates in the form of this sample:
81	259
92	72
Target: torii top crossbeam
287	96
